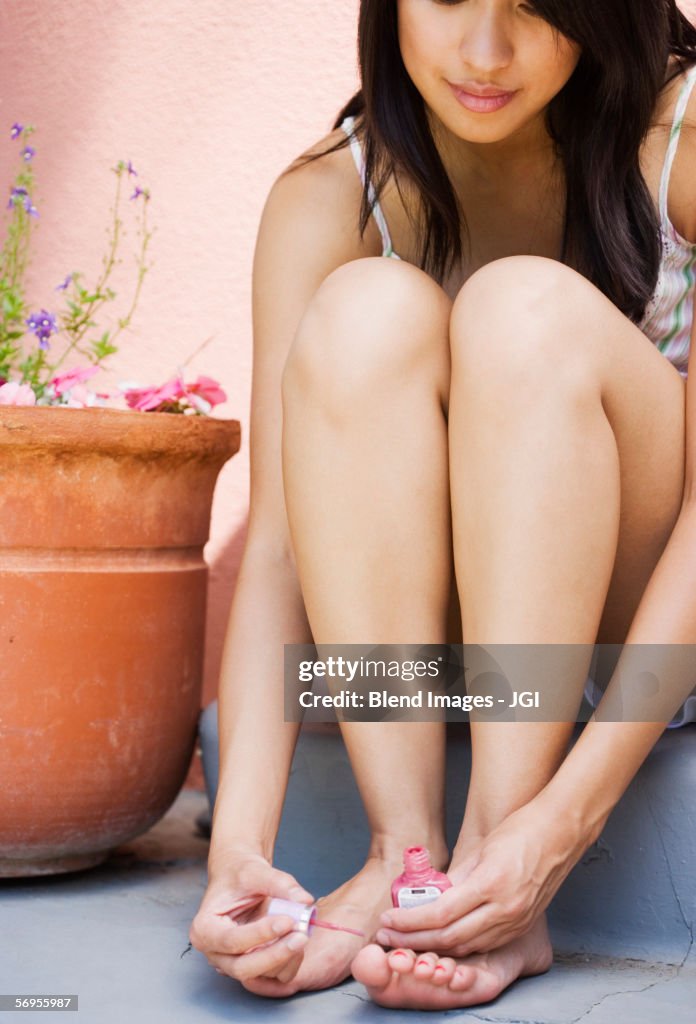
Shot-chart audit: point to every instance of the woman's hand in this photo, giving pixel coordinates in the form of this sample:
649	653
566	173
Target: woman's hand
231	928
498	891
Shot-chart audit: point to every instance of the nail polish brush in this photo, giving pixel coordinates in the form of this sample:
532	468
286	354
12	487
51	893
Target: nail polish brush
305	917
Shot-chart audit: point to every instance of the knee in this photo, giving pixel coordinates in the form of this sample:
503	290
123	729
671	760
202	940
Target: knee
369	319
516	314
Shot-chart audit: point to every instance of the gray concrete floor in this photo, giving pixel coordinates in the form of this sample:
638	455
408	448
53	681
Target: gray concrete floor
115	935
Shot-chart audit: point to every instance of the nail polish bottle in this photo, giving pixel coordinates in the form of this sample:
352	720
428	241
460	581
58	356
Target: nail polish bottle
420	883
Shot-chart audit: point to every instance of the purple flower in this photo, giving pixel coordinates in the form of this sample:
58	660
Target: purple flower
131	169
16	196
138	192
20	197
17	130
27	153
43	325
63	286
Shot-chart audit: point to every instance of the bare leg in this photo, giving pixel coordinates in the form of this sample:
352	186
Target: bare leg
367	497
536	494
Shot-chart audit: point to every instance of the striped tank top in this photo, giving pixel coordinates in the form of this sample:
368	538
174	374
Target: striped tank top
669	314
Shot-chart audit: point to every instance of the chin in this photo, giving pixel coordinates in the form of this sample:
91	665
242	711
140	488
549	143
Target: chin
482	133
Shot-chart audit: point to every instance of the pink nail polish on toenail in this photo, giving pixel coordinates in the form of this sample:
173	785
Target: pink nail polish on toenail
419	883
398	952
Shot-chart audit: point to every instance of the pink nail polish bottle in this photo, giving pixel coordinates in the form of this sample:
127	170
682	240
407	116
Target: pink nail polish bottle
420	883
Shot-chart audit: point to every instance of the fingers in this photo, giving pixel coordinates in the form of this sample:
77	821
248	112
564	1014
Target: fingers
454	939
221	935
423	940
453	904
243	938
254	881
232	919
267	961
492	938
287	973
285	887
258	876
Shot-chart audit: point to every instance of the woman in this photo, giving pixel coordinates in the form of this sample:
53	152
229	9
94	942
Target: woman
504	401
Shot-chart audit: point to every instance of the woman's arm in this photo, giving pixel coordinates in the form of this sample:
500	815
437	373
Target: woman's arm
607	755
256	745
308	228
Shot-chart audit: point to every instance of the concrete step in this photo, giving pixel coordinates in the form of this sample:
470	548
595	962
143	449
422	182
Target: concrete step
632	897
117	936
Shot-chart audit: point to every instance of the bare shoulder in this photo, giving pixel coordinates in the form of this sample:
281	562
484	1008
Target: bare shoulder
683	180
682	183
319	200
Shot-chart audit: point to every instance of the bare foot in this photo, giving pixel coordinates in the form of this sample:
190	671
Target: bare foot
426	981
327	956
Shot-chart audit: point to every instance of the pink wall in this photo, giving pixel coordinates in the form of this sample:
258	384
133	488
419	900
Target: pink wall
209	100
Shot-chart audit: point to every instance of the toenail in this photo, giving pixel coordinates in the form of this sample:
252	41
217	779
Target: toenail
398	952
422	963
439	968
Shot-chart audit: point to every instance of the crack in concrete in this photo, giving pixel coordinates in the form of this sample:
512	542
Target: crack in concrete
355	995
687	924
620	992
503	1020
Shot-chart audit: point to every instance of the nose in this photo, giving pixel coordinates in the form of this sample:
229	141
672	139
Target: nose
485	45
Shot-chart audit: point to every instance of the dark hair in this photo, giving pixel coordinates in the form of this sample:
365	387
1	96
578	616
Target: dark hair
597	121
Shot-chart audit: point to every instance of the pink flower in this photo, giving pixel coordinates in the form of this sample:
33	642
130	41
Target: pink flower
208	389
177	396
63	382
80	397
16	394
148	399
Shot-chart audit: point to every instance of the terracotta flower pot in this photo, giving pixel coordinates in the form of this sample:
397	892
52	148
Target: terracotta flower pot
103	518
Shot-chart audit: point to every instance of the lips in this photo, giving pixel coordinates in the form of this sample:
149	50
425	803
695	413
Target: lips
474	89
481	99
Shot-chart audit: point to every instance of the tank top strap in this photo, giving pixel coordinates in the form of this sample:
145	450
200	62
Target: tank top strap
679	112
348	126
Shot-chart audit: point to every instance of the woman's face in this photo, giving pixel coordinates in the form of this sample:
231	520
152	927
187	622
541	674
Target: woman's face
485	68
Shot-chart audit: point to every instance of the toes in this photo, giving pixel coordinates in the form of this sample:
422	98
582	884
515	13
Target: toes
444	971
425	966
401	960
371	968
462	978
